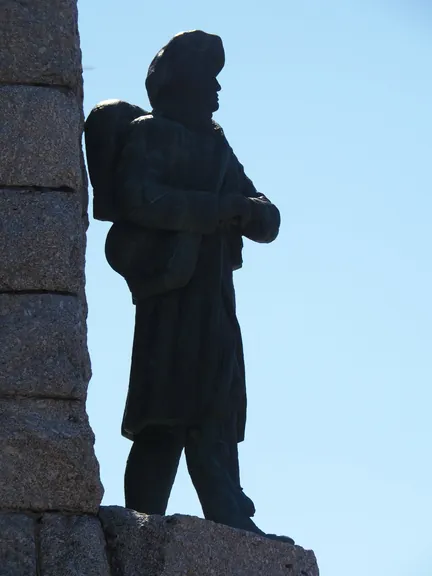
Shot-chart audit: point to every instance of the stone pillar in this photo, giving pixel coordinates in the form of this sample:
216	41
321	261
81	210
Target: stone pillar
47	460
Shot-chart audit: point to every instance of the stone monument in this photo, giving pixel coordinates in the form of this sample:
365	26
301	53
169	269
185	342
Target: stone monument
51	522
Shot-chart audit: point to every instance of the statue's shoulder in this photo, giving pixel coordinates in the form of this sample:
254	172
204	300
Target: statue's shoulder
153	127
145	122
156	124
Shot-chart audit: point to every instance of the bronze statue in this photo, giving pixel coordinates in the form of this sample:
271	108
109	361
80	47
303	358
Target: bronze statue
180	204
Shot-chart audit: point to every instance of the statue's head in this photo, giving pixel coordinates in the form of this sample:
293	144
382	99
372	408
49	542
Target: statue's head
185	72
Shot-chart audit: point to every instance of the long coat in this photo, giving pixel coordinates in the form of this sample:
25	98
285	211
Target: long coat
187	359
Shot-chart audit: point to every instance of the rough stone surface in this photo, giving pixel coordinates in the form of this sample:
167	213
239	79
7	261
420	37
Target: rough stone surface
43	349
47	460
41	241
72	546
17	545
135	542
186	546
40	131
39	42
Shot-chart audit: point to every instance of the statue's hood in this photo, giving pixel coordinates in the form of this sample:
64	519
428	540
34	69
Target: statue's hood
187	50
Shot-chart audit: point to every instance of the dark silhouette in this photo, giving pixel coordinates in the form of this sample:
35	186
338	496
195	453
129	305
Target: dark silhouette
180	204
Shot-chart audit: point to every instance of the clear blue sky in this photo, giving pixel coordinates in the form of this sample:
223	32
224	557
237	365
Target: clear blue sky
328	105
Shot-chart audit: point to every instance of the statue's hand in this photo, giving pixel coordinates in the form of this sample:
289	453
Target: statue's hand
234	209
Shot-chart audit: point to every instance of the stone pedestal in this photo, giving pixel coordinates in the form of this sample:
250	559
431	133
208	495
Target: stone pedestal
123	543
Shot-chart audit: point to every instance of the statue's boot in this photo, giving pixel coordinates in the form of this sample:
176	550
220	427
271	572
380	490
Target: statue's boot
249	508
250	526
244	501
285	539
247	504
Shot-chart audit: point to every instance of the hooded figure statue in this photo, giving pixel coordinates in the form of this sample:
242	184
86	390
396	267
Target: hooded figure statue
183	204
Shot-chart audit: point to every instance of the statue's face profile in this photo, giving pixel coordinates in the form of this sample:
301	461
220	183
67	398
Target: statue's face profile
195	94
200	92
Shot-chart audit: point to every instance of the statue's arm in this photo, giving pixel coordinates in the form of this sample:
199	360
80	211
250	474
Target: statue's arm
263	225
143	198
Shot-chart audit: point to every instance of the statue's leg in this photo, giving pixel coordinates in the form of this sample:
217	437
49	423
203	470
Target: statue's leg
210	466
233	463
222	500
151	468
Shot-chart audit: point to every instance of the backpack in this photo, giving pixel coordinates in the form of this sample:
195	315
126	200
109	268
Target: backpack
151	262
105	131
